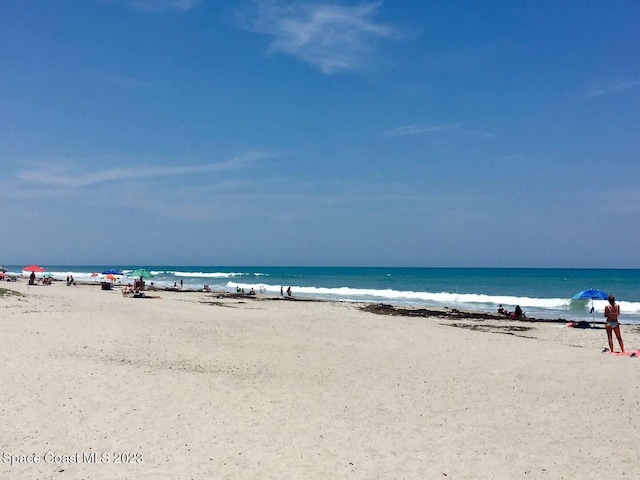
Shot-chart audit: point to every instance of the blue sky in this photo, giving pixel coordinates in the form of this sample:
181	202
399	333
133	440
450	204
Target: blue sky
405	133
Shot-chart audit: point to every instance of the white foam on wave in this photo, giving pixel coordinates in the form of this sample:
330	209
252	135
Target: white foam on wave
209	274
629	307
445	298
442	297
77	276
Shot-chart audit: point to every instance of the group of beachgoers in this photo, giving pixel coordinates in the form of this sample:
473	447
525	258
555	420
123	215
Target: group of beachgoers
517	312
611	325
137	289
44	280
263	289
47	280
288	291
251	291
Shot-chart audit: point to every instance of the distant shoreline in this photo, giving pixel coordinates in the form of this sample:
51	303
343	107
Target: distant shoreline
380	308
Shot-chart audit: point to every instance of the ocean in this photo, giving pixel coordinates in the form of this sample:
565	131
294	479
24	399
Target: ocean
542	293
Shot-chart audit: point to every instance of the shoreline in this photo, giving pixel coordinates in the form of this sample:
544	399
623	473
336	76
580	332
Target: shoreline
409	290
378	307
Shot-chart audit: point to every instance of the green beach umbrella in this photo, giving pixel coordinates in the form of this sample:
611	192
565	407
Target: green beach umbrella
140	272
48	274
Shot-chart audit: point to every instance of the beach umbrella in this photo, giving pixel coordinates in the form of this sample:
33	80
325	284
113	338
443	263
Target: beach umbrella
110	277
140	272
591	294
33	268
112	271
3	270
48	274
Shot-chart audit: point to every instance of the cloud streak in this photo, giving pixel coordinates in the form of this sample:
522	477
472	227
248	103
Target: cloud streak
50	178
422	130
610	88
333	38
419	130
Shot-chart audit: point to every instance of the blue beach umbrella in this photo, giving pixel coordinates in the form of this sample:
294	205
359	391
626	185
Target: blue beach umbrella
112	271
592	293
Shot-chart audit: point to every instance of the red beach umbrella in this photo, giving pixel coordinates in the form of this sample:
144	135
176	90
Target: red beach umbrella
33	268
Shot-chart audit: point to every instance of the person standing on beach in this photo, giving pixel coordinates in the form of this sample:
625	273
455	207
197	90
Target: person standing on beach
611	313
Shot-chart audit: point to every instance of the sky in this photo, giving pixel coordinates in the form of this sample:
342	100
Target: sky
328	133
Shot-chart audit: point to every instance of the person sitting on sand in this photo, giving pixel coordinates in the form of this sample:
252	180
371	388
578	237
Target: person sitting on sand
501	310
252	291
517	313
611	313
206	288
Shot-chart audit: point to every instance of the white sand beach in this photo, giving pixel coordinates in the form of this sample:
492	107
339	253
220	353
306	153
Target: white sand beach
191	386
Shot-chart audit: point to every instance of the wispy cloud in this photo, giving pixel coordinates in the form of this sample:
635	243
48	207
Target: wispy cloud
56	178
419	130
435	131
160	5
609	88
331	37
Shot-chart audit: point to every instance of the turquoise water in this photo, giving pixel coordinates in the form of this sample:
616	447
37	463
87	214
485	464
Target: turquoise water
543	293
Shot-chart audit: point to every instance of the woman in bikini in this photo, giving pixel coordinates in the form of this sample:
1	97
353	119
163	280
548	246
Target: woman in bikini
611	313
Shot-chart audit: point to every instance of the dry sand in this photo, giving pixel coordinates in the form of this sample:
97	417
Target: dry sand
199	387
